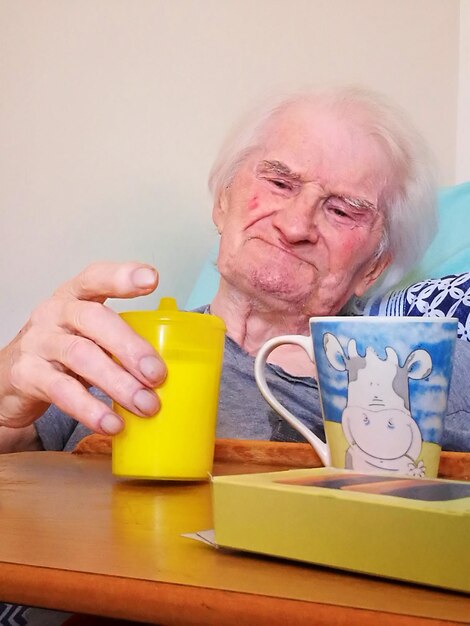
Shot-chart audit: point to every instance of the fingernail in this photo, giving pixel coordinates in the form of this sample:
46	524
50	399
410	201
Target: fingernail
146	401
111	424
152	368
144	277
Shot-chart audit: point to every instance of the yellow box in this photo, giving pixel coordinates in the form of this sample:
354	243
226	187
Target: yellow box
408	529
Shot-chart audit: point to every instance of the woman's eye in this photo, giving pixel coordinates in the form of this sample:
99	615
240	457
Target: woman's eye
280	184
344	214
338	210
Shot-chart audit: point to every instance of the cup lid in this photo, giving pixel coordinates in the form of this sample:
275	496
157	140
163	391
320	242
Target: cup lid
167	311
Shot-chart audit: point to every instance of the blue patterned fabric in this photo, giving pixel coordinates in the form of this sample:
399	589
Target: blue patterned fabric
436	297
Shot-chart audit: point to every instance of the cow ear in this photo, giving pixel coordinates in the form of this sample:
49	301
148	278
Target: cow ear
418	364
334	352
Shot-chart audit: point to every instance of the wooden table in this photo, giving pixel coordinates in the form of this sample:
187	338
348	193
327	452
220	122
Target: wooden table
75	538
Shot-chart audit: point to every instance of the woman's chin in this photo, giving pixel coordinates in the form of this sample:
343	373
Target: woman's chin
279	286
272	281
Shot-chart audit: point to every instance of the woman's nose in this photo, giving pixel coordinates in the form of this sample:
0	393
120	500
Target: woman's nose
296	221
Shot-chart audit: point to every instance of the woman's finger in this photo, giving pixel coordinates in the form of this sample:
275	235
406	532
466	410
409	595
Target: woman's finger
57	387
103	280
86	360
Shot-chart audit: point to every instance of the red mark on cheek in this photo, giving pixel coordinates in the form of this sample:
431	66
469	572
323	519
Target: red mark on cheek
253	203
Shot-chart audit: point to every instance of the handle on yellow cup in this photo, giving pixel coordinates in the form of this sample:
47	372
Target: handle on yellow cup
260	364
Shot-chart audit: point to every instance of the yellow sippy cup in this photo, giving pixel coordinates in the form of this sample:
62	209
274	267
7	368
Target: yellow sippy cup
178	442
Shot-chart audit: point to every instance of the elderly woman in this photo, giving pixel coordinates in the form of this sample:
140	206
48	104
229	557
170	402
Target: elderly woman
318	198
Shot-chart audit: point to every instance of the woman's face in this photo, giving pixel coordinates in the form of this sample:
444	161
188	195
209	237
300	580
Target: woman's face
300	222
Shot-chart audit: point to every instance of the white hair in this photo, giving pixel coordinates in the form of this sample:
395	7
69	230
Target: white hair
408	202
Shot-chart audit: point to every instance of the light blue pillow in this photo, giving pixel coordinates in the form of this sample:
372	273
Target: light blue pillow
207	282
449	253
440	285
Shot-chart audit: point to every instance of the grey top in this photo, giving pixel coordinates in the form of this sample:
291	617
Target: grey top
243	412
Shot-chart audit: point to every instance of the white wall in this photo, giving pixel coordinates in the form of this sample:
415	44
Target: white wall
111	112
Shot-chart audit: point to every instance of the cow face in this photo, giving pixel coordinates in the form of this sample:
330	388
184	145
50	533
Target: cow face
377	417
382	434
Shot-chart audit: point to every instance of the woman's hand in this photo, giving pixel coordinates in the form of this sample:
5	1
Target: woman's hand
66	346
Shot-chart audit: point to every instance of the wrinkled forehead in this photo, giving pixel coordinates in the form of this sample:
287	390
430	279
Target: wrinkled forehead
328	145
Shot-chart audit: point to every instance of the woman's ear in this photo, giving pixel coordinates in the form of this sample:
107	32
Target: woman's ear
220	209
374	271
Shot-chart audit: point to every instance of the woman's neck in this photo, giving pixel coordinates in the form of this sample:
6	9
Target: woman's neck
250	323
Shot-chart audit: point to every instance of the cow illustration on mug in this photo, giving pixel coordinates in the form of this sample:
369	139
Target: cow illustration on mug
377	420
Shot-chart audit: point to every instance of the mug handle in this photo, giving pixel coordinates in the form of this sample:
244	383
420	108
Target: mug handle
304	342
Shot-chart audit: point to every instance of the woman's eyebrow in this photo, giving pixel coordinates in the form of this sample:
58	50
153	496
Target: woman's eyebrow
358	203
278	168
